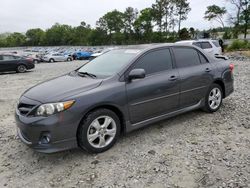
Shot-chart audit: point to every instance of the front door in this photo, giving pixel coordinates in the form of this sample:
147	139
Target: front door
158	92
8	63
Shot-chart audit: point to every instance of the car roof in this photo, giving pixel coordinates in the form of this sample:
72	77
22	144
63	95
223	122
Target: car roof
146	47
198	40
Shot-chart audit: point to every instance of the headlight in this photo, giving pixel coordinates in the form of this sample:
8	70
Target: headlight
52	108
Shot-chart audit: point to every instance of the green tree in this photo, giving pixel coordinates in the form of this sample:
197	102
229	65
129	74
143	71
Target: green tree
130	15
182	10
158	13
16	39
245	16
184	34
216	13
192	32
35	37
143	25
111	22
59	35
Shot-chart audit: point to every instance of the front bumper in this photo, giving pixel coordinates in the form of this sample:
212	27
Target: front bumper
58	128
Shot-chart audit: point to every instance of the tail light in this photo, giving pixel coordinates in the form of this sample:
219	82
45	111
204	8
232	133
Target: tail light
231	67
30	60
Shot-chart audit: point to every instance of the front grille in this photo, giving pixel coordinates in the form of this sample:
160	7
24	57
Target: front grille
25	109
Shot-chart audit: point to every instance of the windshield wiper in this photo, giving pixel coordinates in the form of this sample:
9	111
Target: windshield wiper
86	74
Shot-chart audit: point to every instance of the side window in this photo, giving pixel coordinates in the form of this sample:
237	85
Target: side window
206	45
186	57
155	61
203	58
8	57
1	57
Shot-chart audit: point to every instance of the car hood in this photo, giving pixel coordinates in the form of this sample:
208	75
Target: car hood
60	88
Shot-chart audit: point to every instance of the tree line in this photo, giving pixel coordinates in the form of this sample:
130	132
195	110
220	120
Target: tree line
159	23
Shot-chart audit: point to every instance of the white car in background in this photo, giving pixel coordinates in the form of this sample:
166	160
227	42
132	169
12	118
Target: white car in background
100	52
212	47
56	57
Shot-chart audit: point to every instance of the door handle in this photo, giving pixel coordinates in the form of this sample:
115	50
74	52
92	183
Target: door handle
173	78
208	70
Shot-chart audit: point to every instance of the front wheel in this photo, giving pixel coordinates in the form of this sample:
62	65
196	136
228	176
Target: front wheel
213	98
99	131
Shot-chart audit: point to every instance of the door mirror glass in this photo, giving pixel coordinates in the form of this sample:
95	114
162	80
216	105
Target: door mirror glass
136	74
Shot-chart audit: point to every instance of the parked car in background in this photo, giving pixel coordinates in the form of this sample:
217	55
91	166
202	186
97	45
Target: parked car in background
34	57
15	63
54	57
98	53
212	47
118	92
82	55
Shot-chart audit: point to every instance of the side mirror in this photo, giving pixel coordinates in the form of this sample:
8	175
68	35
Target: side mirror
136	74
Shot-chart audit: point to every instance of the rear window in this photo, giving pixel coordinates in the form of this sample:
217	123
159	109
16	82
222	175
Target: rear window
186	57
198	44
216	43
206	45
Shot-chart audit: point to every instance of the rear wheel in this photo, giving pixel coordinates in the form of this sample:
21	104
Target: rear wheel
36	61
51	60
214	98
69	59
99	131
21	69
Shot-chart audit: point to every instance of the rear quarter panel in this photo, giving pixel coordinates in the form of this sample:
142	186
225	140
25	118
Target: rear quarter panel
225	74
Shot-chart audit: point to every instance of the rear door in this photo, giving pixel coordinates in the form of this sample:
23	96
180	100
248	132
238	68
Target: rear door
196	75
158	92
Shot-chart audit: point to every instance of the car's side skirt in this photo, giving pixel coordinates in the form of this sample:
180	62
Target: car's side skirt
131	127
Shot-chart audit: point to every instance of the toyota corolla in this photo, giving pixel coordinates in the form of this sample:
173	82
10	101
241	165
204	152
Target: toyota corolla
118	92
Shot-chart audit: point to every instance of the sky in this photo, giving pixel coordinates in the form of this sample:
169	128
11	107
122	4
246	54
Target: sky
21	15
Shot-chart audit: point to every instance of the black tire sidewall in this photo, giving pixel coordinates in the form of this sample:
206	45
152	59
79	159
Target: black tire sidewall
84	125
21	71
207	107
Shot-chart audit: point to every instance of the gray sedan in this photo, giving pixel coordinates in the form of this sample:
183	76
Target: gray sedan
118	92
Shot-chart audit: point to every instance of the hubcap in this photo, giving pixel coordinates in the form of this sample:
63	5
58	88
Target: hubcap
101	132
215	97
21	68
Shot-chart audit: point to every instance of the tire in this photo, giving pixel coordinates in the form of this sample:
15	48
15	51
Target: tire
69	59
90	134
51	60
36	61
214	99
21	69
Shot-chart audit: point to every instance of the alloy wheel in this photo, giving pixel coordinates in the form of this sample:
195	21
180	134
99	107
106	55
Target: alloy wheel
101	132
21	68
215	98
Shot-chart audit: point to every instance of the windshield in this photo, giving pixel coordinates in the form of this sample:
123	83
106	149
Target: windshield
109	63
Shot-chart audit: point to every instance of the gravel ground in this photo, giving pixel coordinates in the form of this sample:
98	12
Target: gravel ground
192	150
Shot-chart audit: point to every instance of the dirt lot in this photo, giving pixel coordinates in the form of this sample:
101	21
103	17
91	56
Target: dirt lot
192	150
